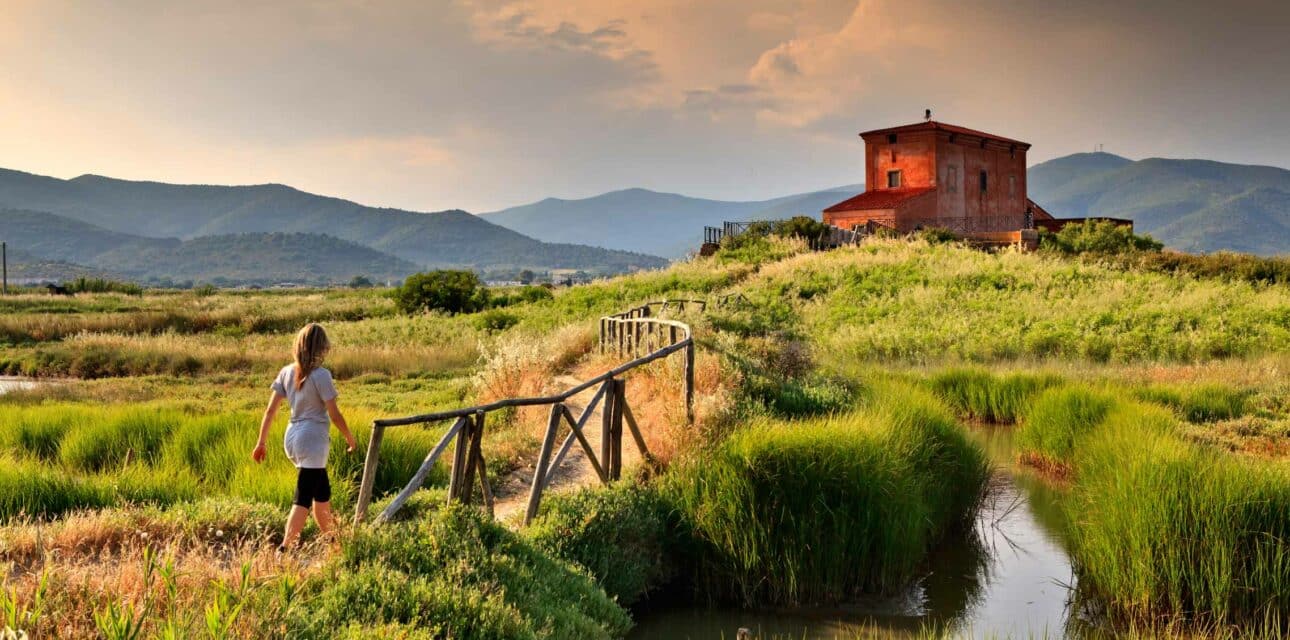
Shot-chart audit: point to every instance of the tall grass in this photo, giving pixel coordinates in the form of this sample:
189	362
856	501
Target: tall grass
1059	417
64	456
979	395
1163	527
819	510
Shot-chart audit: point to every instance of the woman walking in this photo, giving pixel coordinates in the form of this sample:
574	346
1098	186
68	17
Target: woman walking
307	387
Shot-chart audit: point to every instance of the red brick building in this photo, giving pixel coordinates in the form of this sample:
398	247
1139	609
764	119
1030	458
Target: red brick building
933	174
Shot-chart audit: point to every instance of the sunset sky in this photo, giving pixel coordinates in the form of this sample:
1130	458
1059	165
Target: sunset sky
482	104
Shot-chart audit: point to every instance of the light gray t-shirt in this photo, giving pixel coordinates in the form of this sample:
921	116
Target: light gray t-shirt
309	402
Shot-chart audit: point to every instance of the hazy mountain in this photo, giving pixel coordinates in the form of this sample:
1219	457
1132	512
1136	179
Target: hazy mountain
665	224
158	210
1192	205
53	243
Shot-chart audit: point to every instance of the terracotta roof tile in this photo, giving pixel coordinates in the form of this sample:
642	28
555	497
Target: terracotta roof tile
879	199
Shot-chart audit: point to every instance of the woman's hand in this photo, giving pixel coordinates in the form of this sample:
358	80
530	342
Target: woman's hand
353	444
257	454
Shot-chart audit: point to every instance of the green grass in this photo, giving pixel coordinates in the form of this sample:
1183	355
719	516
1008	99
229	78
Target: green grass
1162	526
454	574
623	535
64	456
820	510
977	394
1059	417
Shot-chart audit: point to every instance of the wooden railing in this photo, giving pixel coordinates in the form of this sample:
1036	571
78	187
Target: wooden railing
629	332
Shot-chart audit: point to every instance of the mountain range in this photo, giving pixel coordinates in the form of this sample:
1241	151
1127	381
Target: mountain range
269	233
1190	205
120	215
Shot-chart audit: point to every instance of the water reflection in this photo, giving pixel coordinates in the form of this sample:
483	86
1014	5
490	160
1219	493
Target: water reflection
1010	577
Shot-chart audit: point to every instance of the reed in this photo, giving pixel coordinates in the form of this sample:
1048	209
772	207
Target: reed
976	394
1164	528
820	510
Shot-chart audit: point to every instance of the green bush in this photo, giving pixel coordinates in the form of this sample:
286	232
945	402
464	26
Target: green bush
101	285
1059	417
457	574
1098	237
446	290
620	534
791	513
495	320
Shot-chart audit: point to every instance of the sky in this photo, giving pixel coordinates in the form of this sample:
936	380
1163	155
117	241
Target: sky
483	104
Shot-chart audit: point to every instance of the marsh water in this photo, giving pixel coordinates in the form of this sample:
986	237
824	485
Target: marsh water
12	383
1015	579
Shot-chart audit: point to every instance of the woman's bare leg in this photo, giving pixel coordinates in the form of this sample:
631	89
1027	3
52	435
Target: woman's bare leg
295	523
326	521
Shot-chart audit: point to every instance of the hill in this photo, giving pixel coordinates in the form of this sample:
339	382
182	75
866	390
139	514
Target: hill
666	224
158	210
63	247
1192	205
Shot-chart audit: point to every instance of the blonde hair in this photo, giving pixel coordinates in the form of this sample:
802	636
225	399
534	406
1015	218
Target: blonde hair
310	349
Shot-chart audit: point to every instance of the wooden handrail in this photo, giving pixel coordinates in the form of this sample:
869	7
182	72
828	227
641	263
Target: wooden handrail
469	424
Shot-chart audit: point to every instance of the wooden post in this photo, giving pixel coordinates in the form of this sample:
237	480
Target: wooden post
607	424
472	456
544	459
689	381
457	478
616	434
369	473
601	336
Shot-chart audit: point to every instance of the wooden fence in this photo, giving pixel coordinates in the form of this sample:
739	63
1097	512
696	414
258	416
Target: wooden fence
630	332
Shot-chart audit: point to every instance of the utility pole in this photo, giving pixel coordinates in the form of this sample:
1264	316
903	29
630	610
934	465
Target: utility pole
4	264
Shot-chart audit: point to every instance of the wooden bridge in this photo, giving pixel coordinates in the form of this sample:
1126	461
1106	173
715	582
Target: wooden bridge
637	332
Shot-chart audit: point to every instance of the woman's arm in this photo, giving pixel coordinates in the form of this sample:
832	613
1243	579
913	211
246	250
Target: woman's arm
339	420
275	401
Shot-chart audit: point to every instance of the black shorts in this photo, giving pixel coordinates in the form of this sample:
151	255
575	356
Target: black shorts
312	486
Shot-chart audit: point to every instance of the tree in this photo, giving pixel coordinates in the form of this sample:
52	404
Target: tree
360	282
526	277
445	290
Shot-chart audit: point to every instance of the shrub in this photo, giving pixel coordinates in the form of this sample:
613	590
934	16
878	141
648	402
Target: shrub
445	290
620	534
360	282
101	285
457	574
496	320
1098	237
820	510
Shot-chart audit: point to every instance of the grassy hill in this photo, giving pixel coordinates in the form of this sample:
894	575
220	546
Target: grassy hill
1192	205
665	224
62	245
158	210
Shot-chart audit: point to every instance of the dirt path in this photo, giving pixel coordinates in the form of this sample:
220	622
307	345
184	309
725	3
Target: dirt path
511	494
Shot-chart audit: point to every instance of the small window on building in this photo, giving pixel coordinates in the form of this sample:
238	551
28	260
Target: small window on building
893	179
952	179
985	182
891	138
1012	185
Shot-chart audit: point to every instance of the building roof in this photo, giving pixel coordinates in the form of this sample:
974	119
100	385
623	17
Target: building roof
879	199
932	125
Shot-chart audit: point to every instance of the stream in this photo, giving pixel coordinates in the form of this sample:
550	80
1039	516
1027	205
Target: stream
13	383
1016	581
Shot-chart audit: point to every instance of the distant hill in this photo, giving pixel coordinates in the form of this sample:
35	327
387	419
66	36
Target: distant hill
665	224
158	210
62	247
1191	205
